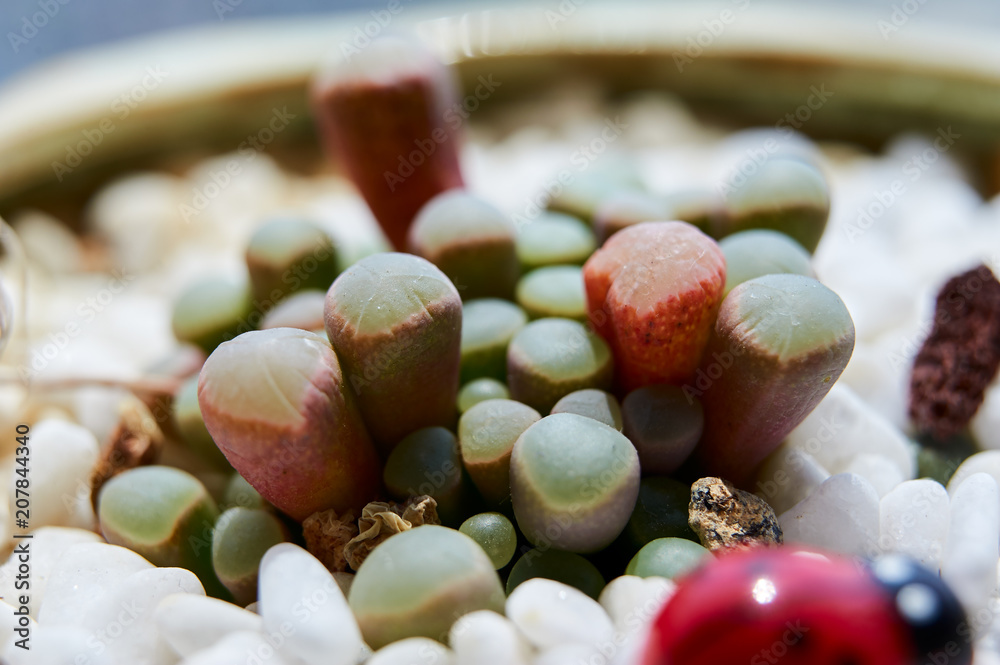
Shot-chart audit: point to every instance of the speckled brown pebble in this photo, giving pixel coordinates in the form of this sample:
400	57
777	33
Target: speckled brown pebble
724	516
960	356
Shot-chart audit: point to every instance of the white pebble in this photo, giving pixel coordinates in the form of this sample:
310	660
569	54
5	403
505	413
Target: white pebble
985	425
63	455
842	426
191	623
413	651
47	545
840	516
573	653
81	577
487	638
788	476
550	613
296	589
973	547
58	645
879	470
240	648
987	462
632	602
112	593
914	520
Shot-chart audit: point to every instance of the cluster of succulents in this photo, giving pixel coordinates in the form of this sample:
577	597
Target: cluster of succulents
555	389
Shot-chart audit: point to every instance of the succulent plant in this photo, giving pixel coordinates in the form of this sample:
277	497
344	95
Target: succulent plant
191	426
488	325
785	194
428	462
627	208
239	493
573	483
276	404
779	344
418	582
664	424
597	404
165	515
550	358
212	311
667	557
302	310
661	511
396	323
699	206
582	195
566	567
287	255
495	534
241	537
553	291
486	436
480	390
471	241
385	115
653	291
760	252
554	239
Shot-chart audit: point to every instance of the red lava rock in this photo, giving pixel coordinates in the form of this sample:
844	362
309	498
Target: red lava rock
960	357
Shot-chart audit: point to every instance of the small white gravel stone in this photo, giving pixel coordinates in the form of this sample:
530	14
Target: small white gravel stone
914	519
985	425
841	516
112	592
987	462
788	476
63	455
569	654
973	546
487	638
842	426
550	613
240	648
297	590
413	651
632	602
191	623
47	545
58	645
879	470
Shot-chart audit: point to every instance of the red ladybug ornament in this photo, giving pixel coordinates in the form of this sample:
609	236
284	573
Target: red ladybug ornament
765	606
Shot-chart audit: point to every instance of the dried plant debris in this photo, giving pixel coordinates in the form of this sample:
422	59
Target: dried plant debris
724	516
342	542
960	357
380	520
136	441
326	534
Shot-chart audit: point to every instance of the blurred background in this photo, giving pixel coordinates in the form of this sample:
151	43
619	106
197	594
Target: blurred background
81	23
